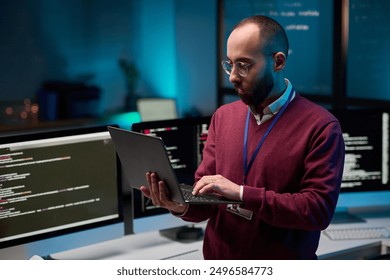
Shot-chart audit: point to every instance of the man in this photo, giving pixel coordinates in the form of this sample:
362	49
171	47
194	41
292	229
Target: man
279	153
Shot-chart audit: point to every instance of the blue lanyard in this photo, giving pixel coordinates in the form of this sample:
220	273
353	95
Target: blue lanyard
248	166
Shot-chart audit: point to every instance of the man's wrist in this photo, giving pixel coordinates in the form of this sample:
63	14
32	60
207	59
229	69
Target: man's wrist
180	210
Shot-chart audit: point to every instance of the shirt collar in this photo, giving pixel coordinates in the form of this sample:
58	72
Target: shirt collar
274	107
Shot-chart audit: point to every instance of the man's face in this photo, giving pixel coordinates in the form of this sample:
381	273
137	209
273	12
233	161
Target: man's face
244	46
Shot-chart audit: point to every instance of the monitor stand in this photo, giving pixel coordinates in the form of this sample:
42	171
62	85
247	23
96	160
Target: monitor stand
183	234
343	216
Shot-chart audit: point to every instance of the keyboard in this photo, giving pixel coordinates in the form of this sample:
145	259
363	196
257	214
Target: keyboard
204	198
188	196
190	255
358	233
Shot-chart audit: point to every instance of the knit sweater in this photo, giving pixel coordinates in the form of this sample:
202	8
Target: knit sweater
292	187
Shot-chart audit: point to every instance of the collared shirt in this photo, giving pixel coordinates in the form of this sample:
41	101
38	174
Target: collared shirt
268	112
273	108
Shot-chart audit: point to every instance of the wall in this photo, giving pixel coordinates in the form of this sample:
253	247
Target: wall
176	50
172	42
196	33
82	40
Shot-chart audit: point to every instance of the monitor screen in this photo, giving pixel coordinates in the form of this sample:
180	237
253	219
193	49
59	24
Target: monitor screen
309	28
184	140
57	182
366	136
368	48
365	182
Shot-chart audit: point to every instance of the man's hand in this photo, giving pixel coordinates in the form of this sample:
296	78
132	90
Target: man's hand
157	192
219	185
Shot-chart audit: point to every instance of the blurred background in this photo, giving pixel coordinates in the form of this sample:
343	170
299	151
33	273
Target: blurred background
63	60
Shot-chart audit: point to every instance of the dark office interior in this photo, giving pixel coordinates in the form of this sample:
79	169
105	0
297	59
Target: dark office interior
87	62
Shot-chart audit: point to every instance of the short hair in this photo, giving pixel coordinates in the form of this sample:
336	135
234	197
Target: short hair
271	32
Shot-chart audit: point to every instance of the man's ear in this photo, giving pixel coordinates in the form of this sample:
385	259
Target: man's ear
280	61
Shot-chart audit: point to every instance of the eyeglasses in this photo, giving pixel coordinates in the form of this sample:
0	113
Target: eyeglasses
242	67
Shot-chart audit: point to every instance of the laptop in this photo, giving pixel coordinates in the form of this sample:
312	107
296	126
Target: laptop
140	153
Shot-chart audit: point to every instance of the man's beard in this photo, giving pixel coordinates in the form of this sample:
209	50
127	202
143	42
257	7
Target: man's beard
260	91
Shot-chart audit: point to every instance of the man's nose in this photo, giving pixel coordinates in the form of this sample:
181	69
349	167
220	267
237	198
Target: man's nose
234	76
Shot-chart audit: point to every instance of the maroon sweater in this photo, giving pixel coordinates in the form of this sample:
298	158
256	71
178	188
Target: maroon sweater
292	187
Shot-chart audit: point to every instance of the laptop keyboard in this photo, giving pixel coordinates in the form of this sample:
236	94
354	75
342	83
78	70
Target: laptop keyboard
204	198
188	196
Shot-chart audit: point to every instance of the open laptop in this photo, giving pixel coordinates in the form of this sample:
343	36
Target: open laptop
140	153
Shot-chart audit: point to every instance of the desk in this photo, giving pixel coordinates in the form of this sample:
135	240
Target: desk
152	245
356	249
143	246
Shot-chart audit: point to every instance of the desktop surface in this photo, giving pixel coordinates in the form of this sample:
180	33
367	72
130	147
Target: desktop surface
142	246
352	248
153	245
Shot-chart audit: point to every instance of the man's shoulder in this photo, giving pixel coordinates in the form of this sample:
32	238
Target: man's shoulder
307	108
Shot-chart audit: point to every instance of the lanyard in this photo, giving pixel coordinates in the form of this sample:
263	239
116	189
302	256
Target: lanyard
248	166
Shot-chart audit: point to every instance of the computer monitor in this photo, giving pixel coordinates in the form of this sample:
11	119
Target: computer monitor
309	25
184	140
57	182
147	108
366	181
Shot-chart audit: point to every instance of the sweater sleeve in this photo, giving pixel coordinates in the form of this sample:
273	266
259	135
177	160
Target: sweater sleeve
312	206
